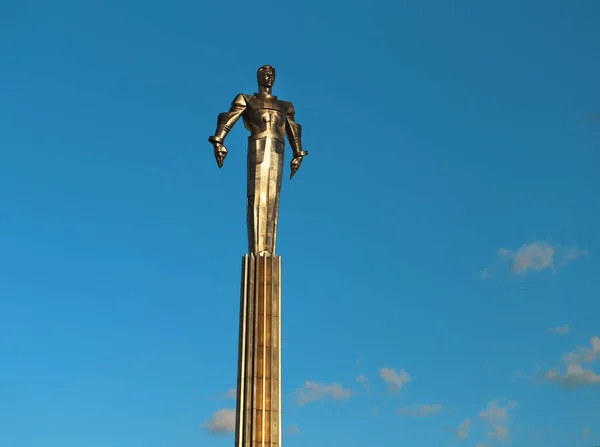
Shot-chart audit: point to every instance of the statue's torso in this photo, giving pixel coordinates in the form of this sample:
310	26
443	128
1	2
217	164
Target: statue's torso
265	116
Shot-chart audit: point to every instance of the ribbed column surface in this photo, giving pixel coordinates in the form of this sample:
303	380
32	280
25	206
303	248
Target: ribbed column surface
258	421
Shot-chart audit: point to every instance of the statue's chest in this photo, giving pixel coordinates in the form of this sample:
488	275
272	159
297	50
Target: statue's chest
266	111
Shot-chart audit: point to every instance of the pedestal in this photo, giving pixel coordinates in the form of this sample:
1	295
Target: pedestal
258	419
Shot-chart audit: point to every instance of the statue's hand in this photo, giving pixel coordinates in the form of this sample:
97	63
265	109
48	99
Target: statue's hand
220	153
295	165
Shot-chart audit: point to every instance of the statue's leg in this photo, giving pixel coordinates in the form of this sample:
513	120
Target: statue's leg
265	167
275	176
253	194
250	216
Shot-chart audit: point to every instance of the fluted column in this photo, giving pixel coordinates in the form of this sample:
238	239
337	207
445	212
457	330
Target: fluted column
259	364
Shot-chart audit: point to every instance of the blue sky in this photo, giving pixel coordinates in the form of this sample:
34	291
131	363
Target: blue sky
439	243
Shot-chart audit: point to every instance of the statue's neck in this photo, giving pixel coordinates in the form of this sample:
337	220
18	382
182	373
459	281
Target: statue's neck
266	91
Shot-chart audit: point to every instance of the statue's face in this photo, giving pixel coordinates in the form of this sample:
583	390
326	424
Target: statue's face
266	76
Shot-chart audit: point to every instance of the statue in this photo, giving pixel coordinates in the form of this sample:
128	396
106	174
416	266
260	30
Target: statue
268	119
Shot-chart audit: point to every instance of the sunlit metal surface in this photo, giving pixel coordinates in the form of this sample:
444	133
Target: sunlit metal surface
258	419
269	120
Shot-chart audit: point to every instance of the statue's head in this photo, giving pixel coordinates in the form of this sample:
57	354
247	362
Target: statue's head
266	76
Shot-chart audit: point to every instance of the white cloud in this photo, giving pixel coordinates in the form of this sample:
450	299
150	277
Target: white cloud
575	375
536	256
562	330
462	431
313	391
496	417
529	257
497	411
394	380
222	422
420	410
584	355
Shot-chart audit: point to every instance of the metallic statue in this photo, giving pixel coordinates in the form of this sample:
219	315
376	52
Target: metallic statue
268	119
258	416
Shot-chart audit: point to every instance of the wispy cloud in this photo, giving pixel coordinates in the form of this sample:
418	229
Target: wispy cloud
536	256
575	375
394	380
462	431
313	391
420	410
293	430
500	433
496	417
585	433
231	393
562	330
365	381
486	273
221	423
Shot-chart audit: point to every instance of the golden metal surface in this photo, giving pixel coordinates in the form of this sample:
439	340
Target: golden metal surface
269	120
258	421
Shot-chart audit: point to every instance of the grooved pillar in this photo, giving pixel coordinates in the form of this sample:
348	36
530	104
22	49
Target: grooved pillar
258	418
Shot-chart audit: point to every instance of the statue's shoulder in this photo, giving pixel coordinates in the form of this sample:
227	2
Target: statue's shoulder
290	107
241	100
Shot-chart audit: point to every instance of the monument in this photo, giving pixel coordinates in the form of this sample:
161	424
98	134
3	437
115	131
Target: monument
269	119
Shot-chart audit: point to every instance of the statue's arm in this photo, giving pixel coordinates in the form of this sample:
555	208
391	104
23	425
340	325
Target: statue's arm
294	134
226	120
